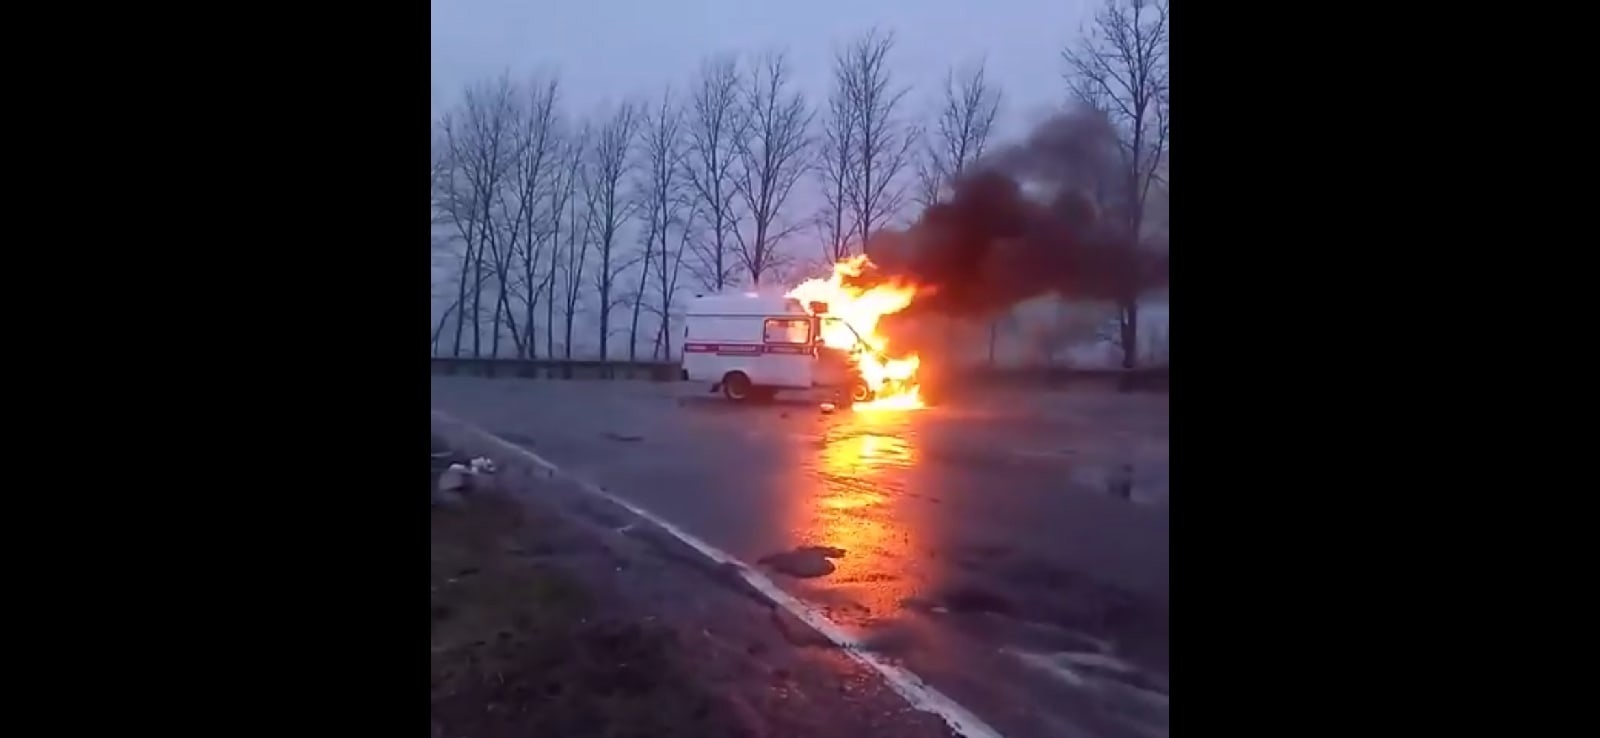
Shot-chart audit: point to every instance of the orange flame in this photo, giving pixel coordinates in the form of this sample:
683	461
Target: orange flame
893	380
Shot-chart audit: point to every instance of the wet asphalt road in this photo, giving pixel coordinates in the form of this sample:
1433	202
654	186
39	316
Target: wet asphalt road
1010	548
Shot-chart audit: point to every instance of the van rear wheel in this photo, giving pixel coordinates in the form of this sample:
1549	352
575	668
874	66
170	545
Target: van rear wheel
736	386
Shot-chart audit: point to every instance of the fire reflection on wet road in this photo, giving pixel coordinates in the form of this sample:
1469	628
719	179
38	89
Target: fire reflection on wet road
850	496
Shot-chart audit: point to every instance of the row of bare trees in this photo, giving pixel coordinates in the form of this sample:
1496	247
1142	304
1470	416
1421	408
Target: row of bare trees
608	212
543	219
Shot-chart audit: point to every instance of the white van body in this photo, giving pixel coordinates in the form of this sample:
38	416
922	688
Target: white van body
769	339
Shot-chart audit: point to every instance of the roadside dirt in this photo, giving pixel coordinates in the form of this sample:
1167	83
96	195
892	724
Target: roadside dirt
522	647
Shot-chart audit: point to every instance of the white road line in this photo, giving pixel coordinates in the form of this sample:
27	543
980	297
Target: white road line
920	694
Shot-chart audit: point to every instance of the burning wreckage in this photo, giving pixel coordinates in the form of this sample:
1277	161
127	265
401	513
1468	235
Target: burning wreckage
822	333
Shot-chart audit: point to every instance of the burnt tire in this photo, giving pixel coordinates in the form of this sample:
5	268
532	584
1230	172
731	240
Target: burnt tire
860	392
736	387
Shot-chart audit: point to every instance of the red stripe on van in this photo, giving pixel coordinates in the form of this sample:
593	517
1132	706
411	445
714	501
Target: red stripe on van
744	349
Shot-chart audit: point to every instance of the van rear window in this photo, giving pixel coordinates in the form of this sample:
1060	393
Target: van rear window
788	330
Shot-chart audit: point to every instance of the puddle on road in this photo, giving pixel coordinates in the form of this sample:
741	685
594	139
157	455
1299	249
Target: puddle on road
1122	481
1119	483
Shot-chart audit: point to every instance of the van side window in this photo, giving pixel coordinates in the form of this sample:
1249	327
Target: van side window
788	330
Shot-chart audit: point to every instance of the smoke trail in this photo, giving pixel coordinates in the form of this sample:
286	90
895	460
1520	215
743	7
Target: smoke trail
1048	215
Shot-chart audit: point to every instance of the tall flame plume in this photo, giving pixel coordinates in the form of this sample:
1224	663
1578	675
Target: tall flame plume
893	380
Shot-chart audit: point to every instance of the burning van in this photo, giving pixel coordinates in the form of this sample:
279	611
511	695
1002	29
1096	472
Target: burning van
822	333
751	346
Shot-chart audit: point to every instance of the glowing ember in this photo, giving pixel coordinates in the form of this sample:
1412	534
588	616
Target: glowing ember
893	380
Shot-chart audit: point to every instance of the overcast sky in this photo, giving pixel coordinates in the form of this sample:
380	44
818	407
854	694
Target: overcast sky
609	49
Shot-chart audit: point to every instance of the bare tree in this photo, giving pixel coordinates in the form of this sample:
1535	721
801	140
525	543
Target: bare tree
478	143
577	198
669	266
442	240
771	159
661	189
565	179
791	271
835	162
882	142
439	178
513	232
1119	66
635	296
537	142
454	200
713	135
609	167
966	118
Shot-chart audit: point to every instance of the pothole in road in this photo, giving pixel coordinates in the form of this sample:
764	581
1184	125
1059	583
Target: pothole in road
805	562
976	599
1119	483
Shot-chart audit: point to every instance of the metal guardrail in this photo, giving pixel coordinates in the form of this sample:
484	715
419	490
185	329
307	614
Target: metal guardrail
1148	378
656	371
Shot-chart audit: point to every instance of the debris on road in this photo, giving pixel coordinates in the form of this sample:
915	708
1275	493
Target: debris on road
621	437
827	407
974	598
453	479
475	476
805	562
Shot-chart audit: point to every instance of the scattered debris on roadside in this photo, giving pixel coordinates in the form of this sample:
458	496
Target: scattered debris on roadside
474	476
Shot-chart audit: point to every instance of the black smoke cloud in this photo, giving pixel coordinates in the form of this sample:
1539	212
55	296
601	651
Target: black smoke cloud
1038	217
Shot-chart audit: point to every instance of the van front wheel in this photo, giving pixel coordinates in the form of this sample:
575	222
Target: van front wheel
860	392
736	386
